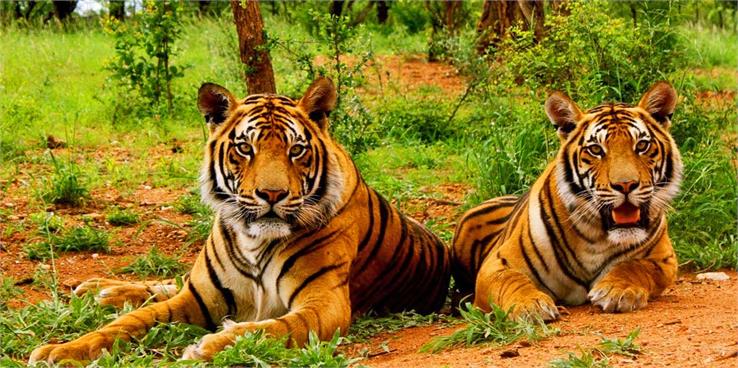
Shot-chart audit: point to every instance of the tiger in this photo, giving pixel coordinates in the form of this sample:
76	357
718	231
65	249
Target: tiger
592	227
299	244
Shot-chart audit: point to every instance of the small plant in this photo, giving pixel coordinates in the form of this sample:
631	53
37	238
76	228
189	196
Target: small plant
66	185
155	263
585	360
8	290
626	347
202	217
370	325
494	327
122	217
81	238
600	356
47	222
256	350
144	49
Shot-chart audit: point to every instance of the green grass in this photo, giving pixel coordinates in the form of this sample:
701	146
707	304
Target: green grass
586	359
202	216
122	217
8	290
67	184
495	327
155	263
600	357
81	238
257	350
369	325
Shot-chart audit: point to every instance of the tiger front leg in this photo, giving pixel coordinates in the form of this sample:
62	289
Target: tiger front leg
181	308
511	290
117	293
630	284
321	307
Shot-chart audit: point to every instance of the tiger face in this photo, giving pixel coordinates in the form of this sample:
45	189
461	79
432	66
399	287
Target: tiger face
618	168
267	169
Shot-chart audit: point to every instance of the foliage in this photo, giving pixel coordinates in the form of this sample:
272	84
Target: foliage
8	290
202	216
370	325
145	48
596	57
585	360
66	185
47	222
155	263
256	350
122	217
600	356
494	327
81	238
626	347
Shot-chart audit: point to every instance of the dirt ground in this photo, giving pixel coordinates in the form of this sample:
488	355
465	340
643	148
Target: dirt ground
695	323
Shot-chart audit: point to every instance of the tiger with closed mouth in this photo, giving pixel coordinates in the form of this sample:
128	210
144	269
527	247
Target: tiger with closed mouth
592	227
299	242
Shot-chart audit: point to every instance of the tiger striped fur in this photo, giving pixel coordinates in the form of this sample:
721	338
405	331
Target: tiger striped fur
592	226
299	243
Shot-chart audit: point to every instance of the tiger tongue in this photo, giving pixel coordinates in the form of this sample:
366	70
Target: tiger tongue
626	214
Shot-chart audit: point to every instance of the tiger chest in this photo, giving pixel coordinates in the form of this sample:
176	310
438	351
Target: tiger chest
253	281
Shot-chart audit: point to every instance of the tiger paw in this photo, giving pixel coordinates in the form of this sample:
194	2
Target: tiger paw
64	353
117	293
538	305
618	296
208	346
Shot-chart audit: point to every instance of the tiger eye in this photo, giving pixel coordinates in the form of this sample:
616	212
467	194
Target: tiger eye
595	150
642	146
297	150
244	149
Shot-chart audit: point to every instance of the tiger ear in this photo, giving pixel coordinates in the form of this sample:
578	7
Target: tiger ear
660	101
215	103
319	100
563	113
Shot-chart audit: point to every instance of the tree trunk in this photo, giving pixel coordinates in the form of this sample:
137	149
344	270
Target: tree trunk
634	14
336	8
117	9
534	16
497	18
452	10
250	27
382	11
63	9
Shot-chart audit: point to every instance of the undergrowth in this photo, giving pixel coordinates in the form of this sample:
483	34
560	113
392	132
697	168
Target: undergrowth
155	263
495	327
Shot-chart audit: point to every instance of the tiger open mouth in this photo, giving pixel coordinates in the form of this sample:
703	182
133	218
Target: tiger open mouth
624	216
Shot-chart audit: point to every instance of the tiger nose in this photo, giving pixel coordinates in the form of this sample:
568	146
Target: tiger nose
625	187
272	196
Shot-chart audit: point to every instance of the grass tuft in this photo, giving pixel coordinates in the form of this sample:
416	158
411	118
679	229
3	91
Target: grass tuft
586	359
82	238
626	346
66	185
202	216
155	263
495	327
370	325
122	217
257	350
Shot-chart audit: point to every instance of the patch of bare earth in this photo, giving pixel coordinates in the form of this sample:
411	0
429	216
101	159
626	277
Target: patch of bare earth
693	324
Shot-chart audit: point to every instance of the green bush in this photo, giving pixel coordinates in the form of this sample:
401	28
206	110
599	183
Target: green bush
82	238
145	50
66	185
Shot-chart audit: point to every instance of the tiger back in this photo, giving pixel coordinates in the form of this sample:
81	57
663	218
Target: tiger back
299	242
592	226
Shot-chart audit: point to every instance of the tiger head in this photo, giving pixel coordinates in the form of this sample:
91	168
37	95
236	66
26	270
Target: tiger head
618	168
268	166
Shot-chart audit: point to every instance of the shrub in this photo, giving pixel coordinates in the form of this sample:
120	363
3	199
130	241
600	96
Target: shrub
155	263
82	238
122	217
144	52
66	185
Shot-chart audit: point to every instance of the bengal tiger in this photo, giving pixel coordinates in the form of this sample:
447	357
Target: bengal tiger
592	226
299	242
